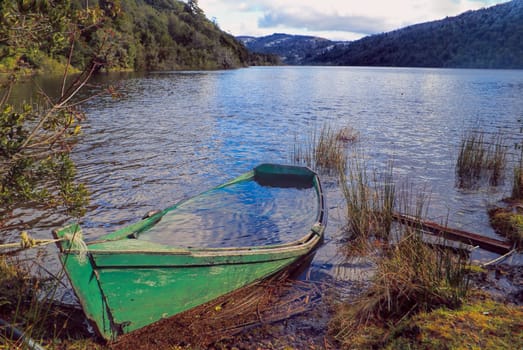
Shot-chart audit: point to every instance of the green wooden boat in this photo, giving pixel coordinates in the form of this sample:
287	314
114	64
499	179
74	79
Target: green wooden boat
135	276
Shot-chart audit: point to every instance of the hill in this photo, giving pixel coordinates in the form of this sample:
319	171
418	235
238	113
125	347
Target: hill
172	34
135	35
292	49
486	38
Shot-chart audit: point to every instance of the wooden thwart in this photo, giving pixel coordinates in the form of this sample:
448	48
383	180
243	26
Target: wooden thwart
487	243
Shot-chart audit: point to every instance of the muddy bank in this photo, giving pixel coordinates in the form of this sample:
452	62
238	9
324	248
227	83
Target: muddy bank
503	282
274	314
279	313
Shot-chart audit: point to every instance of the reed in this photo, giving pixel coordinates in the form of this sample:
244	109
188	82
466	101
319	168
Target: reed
369	201
478	159
517	183
410	277
347	134
471	157
325	151
517	180
28	302
497	159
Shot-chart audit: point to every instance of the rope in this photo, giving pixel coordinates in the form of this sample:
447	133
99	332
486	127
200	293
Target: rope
27	242
499	259
75	240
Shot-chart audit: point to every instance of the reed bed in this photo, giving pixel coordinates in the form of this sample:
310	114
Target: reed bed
27	302
369	201
325	152
410	277
481	159
517	180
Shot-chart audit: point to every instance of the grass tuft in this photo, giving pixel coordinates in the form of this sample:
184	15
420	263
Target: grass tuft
411	277
508	222
481	323
325	152
370	202
480	159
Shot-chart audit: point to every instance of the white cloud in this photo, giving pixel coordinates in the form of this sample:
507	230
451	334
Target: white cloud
334	19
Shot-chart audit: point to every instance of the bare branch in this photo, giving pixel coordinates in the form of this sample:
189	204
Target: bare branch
71	50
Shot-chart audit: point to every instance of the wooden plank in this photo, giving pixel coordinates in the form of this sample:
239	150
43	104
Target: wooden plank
487	243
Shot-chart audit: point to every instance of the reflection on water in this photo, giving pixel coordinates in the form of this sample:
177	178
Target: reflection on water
242	214
175	134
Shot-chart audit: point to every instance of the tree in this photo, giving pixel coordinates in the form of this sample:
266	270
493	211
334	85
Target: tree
194	8
36	139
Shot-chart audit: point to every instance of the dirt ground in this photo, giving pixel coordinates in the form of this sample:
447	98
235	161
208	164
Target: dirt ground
282	314
279	313
274	314
503	282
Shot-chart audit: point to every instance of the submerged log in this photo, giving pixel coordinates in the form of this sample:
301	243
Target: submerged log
486	243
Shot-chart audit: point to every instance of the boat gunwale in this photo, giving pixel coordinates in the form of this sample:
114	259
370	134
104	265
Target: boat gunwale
123	235
86	281
308	240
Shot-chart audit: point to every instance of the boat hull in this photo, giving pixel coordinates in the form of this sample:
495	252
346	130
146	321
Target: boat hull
125	284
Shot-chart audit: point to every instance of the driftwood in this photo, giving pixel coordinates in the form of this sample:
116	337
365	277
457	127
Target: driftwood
487	243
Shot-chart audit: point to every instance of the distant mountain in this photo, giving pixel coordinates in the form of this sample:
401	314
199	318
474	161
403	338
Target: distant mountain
292	49
486	38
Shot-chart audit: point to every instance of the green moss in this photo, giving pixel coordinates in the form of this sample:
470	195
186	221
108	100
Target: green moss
480	323
476	269
508	222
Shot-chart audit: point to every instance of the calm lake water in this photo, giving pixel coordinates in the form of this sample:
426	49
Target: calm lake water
175	134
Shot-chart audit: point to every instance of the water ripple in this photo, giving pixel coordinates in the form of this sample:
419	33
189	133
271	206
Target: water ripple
174	134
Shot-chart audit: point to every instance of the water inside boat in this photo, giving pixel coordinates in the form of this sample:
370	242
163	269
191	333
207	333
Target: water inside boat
254	212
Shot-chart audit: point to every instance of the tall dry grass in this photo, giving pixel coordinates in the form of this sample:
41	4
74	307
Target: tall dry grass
517	179
479	159
369	200
410	277
326	151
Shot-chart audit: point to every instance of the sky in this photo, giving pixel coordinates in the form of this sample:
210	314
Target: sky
330	19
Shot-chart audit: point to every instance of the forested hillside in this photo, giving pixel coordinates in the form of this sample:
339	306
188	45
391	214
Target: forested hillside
487	38
134	35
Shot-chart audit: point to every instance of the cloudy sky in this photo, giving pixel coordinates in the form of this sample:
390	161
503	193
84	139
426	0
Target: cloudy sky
331	19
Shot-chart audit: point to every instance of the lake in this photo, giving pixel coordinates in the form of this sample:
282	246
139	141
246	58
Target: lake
175	134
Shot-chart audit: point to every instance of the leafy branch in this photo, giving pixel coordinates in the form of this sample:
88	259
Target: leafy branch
36	139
